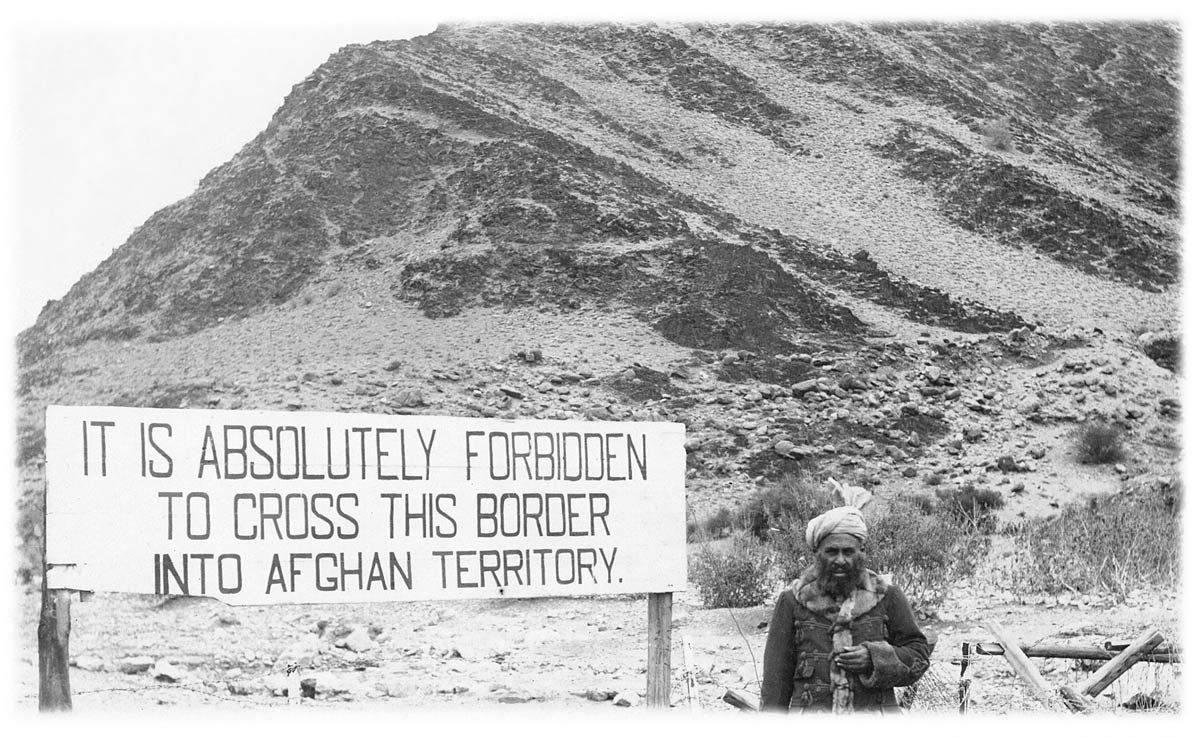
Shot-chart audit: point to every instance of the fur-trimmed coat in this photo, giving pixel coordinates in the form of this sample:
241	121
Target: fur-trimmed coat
804	629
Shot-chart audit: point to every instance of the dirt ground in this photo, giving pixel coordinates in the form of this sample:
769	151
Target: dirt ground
137	654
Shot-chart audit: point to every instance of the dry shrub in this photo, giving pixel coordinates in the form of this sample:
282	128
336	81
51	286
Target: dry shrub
924	552
781	504
739	576
1099	442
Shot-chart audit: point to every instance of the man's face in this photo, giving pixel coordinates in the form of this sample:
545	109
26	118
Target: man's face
839	563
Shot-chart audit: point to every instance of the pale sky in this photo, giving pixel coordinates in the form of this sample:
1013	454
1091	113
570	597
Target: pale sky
112	124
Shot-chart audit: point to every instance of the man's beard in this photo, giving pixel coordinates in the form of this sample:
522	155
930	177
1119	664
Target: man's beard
839	587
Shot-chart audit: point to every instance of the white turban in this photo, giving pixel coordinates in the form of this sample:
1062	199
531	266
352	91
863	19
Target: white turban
847	519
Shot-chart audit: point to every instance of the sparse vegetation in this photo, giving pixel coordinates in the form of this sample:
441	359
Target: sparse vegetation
1099	442
716	525
924	542
737	576
1104	544
775	506
925	550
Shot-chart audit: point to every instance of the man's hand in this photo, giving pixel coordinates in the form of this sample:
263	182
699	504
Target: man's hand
855	659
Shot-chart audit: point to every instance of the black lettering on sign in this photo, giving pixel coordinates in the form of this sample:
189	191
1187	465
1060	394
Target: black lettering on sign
341	572
329	456
236	444
87	449
470	453
191	574
294	447
208	454
170	496
149	465
240	514
504	569
255	469
194	530
267	515
380	454
541	515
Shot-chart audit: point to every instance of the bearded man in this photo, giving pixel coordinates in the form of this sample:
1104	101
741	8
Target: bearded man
841	637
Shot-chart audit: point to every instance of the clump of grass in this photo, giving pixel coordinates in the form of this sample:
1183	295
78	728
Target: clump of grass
972	506
1104	544
1099	442
998	133
738	576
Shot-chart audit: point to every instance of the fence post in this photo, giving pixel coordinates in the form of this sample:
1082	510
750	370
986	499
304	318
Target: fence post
964	683
658	657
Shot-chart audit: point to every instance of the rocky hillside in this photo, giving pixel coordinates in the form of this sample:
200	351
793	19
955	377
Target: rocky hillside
911	255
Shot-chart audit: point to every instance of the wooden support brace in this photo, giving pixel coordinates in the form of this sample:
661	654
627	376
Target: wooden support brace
1023	667
742	700
1076	701
1113	669
658	656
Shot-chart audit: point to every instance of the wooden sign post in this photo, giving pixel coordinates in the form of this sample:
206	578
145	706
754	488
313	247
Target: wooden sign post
658	657
54	634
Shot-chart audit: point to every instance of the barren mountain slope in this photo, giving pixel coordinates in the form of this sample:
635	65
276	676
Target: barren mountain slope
811	235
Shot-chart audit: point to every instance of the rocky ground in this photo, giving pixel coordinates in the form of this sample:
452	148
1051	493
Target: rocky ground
566	654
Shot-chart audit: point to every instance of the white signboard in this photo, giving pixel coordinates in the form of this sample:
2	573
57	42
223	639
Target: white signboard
289	507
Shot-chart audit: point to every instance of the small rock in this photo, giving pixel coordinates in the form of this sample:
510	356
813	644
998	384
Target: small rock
593	694
1007	464
392	365
627	698
357	641
88	662
135	665
511	392
166	671
409	398
241	688
802	387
